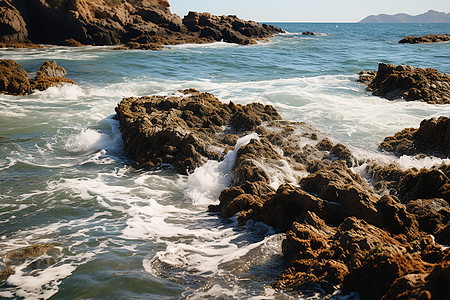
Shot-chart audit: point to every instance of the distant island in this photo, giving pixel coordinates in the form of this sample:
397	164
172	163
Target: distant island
430	16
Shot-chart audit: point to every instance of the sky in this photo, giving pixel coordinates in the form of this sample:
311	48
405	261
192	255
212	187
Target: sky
307	11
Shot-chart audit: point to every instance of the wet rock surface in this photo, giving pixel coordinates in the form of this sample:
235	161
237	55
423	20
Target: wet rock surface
431	138
370	236
15	81
130	22
408	83
18	256
184	130
429	38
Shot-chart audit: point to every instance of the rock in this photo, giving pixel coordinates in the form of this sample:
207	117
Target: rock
13	79
433	215
50	74
429	38
12	25
409	83
138	46
72	43
425	184
182	131
98	22
32	251
14	44
308	33
4	275
432	138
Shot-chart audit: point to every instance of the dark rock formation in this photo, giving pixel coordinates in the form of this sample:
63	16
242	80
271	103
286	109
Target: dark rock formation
108	22
409	83
15	81
429	38
432	138
340	231
308	33
183	131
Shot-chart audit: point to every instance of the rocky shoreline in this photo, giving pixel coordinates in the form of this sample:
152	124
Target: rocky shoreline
137	24
342	232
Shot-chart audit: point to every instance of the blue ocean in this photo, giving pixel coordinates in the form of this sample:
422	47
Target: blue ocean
123	233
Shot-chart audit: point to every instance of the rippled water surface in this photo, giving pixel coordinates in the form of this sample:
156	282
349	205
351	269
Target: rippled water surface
121	233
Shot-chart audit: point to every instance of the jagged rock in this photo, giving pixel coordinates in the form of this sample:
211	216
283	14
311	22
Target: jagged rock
362	257
50	74
182	131
433	216
308	33
12	25
432	138
425	184
98	22
15	81
429	38
409	83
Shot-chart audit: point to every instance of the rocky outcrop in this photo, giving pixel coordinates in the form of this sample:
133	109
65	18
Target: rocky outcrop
12	25
107	22
15	81
431	138
183	131
429	38
341	232
408	83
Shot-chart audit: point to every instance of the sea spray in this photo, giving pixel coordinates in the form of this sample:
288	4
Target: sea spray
206	183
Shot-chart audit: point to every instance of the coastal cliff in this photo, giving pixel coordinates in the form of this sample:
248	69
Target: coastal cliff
115	22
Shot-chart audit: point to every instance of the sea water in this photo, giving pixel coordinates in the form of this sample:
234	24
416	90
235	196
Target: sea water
122	233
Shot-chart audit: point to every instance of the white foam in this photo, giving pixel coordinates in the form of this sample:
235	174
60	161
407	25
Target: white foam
206	183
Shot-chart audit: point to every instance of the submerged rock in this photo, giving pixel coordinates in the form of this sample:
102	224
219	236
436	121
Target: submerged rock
409	83
32	251
98	22
429	38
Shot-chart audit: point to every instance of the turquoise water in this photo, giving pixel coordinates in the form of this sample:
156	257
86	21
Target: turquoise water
121	233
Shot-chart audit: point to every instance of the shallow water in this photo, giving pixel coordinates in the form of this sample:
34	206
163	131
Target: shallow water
123	233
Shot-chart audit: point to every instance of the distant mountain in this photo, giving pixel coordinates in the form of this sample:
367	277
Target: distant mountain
430	16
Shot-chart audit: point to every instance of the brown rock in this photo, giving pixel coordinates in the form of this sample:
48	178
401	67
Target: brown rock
429	38
12	25
181	131
433	215
50	74
32	251
397	81
13	79
110	22
432	138
425	184
4	275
